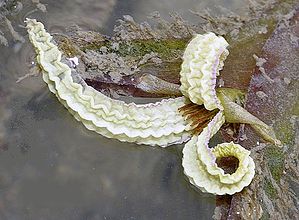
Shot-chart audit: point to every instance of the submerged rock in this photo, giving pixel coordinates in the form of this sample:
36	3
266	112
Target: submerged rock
273	193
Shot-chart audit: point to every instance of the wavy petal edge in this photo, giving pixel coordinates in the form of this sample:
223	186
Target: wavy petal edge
199	162
152	124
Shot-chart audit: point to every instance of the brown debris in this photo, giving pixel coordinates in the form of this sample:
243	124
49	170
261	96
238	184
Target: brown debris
197	116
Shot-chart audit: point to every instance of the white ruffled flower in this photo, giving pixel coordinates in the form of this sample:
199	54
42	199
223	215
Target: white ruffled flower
161	123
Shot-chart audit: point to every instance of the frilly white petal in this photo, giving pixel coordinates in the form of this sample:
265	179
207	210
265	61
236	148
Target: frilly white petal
202	60
153	124
199	162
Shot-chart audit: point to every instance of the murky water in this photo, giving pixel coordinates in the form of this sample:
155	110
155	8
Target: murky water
51	167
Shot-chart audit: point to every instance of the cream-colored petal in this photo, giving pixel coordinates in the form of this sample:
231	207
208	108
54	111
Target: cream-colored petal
154	124
202	61
199	162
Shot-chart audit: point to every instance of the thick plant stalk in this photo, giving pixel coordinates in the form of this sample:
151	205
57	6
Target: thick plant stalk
234	113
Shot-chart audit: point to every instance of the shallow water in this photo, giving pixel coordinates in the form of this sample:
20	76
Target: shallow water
51	167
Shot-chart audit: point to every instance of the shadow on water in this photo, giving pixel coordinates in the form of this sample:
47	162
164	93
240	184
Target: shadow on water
51	167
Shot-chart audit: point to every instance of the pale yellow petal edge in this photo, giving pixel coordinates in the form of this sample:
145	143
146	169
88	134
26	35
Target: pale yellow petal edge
153	124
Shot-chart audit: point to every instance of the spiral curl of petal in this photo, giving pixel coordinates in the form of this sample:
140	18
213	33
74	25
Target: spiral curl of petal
202	61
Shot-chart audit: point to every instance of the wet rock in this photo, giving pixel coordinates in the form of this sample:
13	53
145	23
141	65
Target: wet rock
271	194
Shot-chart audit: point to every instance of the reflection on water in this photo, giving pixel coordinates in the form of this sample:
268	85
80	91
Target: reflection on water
51	167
